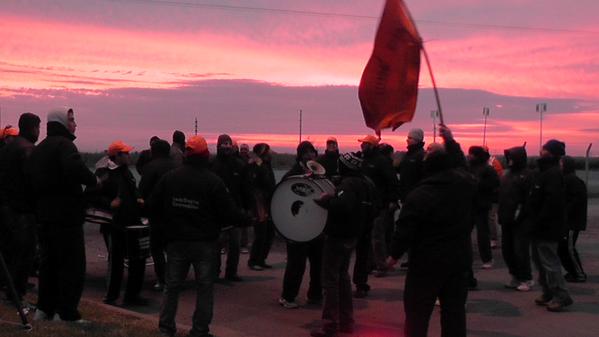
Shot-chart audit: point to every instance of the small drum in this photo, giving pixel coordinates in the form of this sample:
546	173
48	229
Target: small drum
138	242
295	214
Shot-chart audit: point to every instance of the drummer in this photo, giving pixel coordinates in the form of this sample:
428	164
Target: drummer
119	194
298	252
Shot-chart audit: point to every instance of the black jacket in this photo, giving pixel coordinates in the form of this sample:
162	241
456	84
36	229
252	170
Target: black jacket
145	157
514	189
487	187
435	223
411	169
15	187
152	172
234	174
193	204
119	183
576	197
380	170
350	208
547	202
57	173
330	161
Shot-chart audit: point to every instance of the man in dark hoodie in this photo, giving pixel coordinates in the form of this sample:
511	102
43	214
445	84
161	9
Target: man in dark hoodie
299	252
434	224
161	164
57	172
380	171
515	240
488	184
330	159
547	204
262	181
16	202
145	157
178	147
349	208
576	215
232	170
195	204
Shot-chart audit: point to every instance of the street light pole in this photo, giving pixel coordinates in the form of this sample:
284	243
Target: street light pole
300	125
541	108
486	112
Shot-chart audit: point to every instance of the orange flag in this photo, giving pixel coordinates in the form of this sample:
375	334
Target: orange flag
389	85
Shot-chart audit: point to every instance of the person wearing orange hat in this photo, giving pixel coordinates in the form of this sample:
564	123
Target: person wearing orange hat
330	159
194	205
119	195
7	135
380	171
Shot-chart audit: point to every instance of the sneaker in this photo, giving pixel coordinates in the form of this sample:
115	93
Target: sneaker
524	286
542	300
109	300
575	278
78	321
41	316
244	250
255	267
487	265
557	306
223	251
288	304
513	284
404	266
437	303
494	244
158	286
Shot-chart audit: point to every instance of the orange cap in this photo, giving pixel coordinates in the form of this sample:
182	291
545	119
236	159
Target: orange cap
332	140
9	131
118	147
370	139
197	145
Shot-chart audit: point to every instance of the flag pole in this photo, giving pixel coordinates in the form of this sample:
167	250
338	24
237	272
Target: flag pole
430	71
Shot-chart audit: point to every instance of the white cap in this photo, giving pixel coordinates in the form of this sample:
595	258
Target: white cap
60	115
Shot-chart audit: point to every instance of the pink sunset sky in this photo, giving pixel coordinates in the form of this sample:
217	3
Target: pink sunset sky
136	68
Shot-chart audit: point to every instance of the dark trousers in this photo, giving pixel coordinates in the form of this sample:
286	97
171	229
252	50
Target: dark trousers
380	231
264	233
180	256
231	241
21	247
421	291
62	270
483	235
297	254
515	247
117	251
544	255
568	254
363	263
338	309
158	250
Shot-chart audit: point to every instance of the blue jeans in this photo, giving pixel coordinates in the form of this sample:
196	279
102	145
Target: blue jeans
180	256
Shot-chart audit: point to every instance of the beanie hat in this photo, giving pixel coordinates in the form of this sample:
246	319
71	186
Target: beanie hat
416	134
351	161
223	138
555	147
160	148
305	147
179	137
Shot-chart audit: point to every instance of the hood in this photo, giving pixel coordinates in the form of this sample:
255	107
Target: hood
479	155
568	165
518	157
57	129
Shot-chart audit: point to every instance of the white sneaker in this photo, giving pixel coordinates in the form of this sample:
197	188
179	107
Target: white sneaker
513	284
40	316
79	321
288	305
523	287
487	265
437	303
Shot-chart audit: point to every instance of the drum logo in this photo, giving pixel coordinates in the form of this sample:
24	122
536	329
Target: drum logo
303	190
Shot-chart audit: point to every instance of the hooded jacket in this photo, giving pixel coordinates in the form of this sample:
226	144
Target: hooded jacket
57	173
15	187
233	172
330	161
411	169
488	181
514	188
576	196
547	201
380	170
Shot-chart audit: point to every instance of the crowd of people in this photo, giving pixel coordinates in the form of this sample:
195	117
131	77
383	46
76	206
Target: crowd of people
423	204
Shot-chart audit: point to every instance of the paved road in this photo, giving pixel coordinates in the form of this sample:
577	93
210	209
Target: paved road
250	309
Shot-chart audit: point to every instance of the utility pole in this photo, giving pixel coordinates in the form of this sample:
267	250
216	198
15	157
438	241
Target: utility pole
486	112
541	108
196	127
434	115
586	164
300	125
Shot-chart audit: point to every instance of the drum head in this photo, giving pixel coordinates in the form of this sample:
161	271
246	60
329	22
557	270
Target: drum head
295	214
